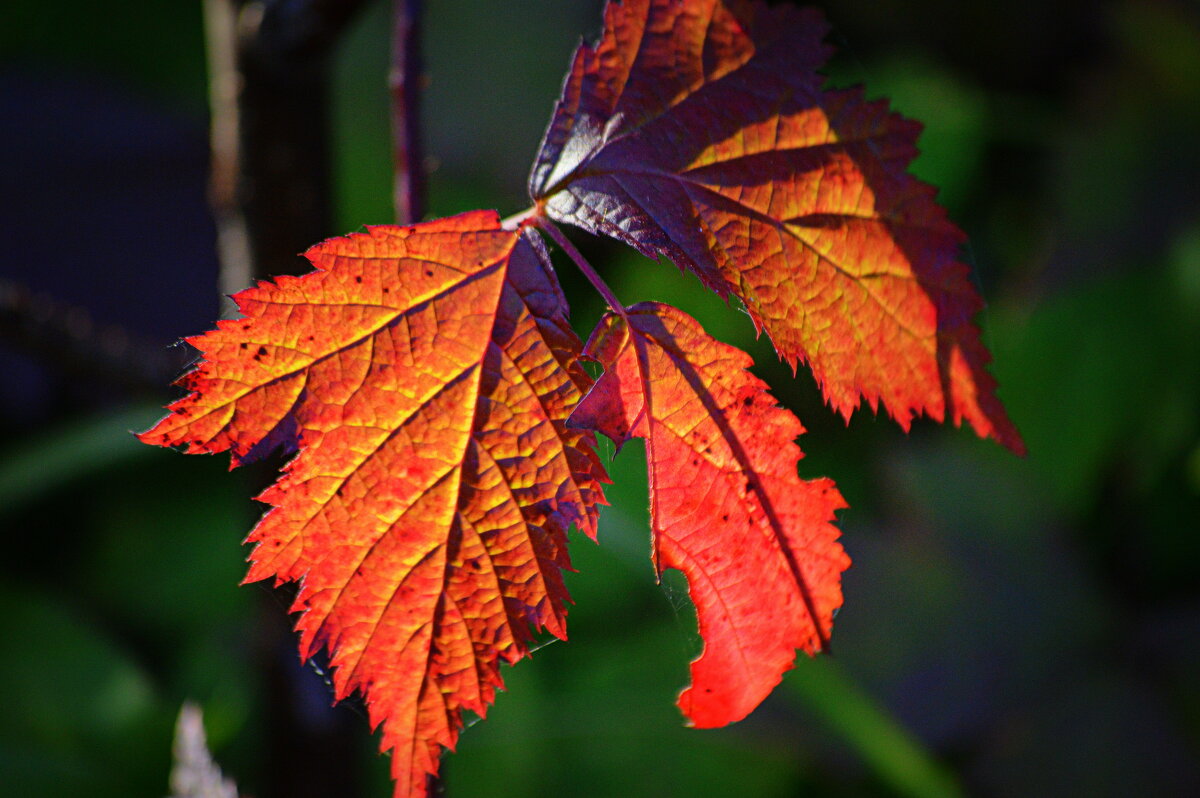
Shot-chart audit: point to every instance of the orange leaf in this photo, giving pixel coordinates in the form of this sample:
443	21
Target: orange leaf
700	131
425	375
727	507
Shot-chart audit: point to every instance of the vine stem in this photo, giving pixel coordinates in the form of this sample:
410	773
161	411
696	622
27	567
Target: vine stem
404	85
574	254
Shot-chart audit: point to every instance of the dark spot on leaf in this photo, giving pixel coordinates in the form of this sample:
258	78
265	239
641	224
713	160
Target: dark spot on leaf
429	272
357	279
749	400
262	352
243	345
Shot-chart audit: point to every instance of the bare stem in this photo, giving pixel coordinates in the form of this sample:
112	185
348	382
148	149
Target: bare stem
404	83
66	337
269	68
233	239
574	254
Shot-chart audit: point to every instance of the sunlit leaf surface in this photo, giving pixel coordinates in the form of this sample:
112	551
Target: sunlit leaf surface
424	375
701	131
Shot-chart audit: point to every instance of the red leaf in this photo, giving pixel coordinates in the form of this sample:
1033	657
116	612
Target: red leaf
425	375
727	507
702	133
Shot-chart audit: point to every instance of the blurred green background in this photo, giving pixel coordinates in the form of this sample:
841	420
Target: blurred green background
1012	627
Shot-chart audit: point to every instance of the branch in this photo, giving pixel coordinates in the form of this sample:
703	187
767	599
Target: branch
269	89
66	337
405	84
299	30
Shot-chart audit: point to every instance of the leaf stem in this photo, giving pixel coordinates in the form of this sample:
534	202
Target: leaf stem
594	278
519	219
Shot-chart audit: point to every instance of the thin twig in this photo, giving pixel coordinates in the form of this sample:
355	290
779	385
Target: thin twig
233	241
66	337
404	83
574	254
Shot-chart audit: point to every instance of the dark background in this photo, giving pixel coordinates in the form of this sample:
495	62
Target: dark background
1031	626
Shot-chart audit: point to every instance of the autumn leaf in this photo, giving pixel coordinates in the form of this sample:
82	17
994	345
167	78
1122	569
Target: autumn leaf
430	389
424	374
701	131
727	506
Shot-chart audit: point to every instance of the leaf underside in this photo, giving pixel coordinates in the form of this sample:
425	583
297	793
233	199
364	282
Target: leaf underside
425	375
701	131
726	505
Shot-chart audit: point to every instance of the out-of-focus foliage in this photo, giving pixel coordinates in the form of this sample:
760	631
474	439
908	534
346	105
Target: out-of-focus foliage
1034	624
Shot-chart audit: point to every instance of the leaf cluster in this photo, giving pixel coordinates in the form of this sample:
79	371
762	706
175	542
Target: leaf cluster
429	384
